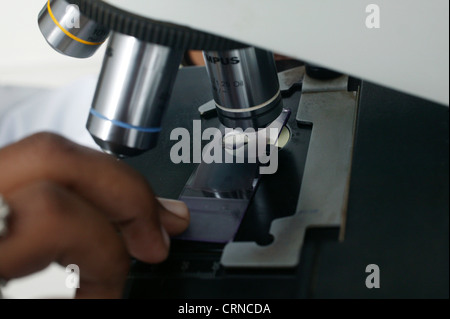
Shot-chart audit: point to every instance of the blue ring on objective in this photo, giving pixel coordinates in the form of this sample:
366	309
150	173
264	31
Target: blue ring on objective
126	125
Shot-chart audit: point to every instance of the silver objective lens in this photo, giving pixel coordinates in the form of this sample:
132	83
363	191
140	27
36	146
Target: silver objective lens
245	87
132	93
68	31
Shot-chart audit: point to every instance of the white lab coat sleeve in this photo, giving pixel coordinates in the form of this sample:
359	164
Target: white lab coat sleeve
63	111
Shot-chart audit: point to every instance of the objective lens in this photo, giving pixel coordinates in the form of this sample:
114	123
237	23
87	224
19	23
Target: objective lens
132	94
245	87
68	31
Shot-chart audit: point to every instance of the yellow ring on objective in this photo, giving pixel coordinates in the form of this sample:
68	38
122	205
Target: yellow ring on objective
70	35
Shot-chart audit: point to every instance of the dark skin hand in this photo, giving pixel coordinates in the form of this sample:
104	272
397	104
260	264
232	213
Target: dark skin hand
74	205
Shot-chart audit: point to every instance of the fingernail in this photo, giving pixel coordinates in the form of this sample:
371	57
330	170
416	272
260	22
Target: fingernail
166	237
176	207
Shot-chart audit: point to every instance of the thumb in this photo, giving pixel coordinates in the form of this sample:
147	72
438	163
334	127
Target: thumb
174	216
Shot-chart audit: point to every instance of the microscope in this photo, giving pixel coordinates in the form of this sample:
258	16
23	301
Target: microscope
302	176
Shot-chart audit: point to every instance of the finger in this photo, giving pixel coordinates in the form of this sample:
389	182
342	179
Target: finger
112	186
49	223
175	218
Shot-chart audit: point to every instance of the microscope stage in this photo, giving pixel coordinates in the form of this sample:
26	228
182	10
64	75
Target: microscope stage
395	215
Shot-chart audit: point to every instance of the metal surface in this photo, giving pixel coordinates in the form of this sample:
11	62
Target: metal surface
4	213
311	85
245	87
323	196
132	94
207	108
68	31
289	80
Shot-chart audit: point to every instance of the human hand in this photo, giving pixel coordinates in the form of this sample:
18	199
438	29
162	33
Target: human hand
74	205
